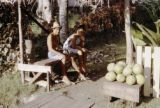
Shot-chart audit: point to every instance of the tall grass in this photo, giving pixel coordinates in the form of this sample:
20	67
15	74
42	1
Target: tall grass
11	90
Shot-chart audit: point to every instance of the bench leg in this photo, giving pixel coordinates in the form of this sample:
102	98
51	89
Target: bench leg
133	104
35	77
48	85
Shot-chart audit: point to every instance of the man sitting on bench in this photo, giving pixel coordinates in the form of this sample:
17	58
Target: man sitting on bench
54	50
74	45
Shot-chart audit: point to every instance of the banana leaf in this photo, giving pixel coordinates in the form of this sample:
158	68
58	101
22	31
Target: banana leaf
149	34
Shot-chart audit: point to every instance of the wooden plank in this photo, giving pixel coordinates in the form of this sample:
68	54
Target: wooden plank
68	102
147	71
139	55
156	72
35	78
42	83
48	86
34	68
122	90
20	38
28	78
46	62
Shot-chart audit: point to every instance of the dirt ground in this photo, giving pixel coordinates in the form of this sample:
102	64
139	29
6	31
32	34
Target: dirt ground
88	90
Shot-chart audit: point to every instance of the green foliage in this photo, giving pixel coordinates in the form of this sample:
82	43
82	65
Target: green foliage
153	8
72	20
145	36
35	29
11	89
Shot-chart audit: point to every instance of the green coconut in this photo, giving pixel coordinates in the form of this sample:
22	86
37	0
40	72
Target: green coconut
130	80
120	78
137	69
110	67
110	76
140	79
118	68
121	63
127	71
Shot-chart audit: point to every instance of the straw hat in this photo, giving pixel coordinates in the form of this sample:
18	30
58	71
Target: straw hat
56	25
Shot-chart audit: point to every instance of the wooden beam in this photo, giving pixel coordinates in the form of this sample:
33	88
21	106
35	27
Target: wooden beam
147	71
34	19
156	72
35	78
139	55
122	90
129	44
34	68
20	37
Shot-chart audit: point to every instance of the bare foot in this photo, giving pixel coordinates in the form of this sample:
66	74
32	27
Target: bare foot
66	80
82	77
84	70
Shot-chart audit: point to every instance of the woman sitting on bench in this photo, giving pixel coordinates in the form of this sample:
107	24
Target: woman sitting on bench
74	45
54	50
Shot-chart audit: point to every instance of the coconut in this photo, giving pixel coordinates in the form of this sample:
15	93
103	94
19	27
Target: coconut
137	69
110	67
110	76
127	71
122	63
118	68
120	78
140	79
130	80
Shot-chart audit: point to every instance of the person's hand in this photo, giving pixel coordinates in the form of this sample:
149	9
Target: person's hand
79	52
84	49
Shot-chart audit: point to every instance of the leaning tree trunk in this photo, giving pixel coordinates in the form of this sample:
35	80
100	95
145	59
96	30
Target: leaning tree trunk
129	44
63	19
20	36
44	10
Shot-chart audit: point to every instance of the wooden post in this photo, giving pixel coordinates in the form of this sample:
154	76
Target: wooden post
108	2
156	72
147	71
48	85
129	44
139	55
63	19
20	37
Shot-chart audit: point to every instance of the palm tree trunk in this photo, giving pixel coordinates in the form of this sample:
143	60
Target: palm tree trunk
129	44
63	19
20	36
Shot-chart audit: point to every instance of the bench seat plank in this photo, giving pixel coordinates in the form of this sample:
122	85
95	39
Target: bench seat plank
46	62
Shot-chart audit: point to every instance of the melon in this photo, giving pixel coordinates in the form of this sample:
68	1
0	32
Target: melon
140	79
110	76
122	63
110	67
127	71
130	80
130	66
120	78
137	69
118	68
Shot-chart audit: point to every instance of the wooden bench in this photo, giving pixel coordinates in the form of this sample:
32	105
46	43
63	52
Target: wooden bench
38	68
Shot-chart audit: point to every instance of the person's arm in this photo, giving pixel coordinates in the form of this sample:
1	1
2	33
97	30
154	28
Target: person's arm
49	45
82	42
73	44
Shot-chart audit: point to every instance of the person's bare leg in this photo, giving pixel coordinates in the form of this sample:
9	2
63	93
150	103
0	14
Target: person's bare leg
75	66
65	78
84	68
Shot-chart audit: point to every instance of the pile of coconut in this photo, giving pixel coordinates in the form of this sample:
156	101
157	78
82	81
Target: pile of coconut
123	73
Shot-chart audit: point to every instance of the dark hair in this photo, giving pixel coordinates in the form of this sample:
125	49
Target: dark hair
81	26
